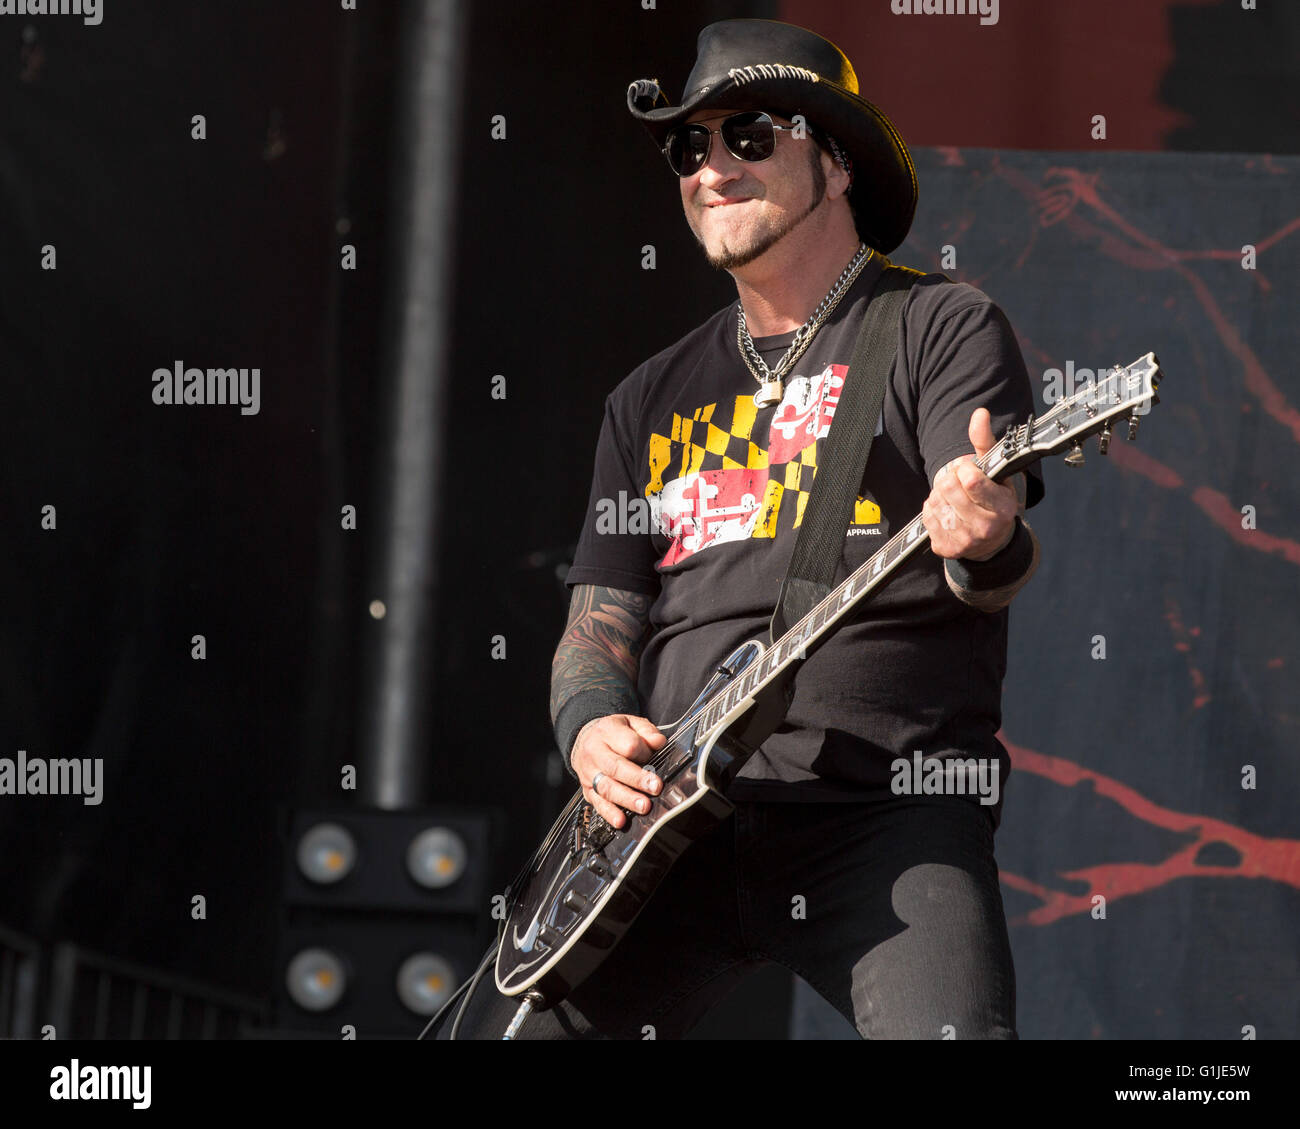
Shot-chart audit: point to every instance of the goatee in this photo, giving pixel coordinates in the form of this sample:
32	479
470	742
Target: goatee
729	260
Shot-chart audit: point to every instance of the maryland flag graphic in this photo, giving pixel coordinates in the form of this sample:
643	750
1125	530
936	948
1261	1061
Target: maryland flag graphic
712	481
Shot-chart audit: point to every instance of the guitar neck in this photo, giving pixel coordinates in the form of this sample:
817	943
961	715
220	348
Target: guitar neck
1122	392
795	645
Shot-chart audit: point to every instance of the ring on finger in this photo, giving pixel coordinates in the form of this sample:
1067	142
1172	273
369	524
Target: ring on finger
595	782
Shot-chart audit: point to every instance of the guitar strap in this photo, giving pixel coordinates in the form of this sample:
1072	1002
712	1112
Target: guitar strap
842	455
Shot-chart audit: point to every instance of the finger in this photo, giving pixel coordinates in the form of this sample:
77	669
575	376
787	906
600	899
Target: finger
944	516
985	493
610	798
618	793
647	731
623	740
940	537
610	813
630	776
970	524
969	490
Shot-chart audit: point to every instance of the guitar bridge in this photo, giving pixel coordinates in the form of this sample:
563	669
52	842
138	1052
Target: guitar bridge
592	830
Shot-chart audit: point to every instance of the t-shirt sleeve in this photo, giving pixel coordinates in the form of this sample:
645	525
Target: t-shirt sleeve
615	549
965	360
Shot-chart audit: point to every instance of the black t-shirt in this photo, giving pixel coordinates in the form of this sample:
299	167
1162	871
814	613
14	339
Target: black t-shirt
696	498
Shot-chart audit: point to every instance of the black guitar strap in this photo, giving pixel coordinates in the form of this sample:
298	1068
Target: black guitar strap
842	456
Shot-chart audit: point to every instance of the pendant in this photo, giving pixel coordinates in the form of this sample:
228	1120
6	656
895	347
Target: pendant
770	393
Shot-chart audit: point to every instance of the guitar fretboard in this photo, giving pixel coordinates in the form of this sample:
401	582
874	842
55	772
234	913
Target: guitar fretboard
794	644
1130	389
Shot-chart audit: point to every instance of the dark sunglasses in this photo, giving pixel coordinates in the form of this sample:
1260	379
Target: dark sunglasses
748	136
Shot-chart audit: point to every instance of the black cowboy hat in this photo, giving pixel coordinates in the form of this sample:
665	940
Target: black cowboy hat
788	70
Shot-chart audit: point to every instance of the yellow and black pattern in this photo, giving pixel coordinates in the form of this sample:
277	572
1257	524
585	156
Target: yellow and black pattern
707	444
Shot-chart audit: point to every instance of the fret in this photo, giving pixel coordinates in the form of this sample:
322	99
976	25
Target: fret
789	646
747	683
836	604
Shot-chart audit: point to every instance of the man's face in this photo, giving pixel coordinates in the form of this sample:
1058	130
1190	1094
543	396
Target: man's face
738	209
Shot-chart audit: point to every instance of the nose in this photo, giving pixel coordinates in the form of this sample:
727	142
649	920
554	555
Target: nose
721	168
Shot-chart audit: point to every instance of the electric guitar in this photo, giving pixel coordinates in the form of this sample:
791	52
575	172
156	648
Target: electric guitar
585	884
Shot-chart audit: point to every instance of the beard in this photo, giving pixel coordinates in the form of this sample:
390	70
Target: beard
764	241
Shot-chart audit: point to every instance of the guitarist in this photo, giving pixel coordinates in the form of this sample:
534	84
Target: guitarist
884	900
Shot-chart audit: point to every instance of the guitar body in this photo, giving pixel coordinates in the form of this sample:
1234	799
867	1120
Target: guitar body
589	881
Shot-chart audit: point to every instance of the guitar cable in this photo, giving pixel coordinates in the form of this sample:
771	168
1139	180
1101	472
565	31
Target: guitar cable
470	984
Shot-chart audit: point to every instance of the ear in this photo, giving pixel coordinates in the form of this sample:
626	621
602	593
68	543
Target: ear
837	180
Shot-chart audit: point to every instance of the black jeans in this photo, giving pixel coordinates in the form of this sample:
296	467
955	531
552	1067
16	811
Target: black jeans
890	910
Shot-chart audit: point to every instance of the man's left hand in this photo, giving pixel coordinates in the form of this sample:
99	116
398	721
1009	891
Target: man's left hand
968	514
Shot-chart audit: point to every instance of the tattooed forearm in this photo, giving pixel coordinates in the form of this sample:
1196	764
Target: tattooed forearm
601	646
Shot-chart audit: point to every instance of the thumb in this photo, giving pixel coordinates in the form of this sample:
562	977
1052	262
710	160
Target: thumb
980	431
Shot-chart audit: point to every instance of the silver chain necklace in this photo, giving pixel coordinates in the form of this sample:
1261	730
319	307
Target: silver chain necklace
772	381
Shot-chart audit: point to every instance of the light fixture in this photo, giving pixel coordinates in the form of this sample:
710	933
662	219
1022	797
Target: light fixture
436	857
424	982
327	852
316	980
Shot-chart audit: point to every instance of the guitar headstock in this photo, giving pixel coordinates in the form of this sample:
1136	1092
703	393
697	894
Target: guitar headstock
1119	397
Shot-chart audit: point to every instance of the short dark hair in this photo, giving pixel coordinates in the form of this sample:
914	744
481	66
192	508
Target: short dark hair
823	144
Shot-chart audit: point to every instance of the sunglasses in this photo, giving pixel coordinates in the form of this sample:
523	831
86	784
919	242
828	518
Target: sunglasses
749	136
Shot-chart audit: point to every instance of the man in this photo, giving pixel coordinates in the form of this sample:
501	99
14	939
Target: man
884	900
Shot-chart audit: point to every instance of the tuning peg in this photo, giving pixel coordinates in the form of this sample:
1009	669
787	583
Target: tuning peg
1103	439
1075	457
1133	425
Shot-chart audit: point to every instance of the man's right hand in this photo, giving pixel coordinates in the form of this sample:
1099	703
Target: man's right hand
617	746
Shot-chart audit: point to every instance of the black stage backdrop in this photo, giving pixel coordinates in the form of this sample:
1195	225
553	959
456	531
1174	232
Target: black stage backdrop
1128	769
1149	705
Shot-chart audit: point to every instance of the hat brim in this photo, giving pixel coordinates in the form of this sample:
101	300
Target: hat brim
884	189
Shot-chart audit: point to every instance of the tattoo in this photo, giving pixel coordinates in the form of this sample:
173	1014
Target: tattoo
602	644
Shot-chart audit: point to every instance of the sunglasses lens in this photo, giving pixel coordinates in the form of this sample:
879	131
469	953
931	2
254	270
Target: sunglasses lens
688	149
749	136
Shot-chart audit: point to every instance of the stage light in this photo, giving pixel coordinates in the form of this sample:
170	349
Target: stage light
392	907
316	980
327	852
436	857
424	982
